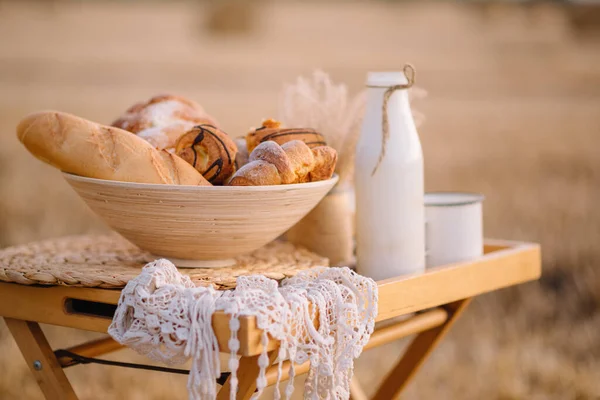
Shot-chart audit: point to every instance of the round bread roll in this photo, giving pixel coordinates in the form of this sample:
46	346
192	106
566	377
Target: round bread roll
271	131
161	111
165	137
210	150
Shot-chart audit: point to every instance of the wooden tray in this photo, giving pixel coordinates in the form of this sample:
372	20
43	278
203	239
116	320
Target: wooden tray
503	264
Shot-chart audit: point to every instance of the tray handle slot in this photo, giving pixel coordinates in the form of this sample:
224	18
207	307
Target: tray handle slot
89	308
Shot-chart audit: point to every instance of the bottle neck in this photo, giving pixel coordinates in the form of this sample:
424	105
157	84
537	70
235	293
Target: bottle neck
378	83
398	100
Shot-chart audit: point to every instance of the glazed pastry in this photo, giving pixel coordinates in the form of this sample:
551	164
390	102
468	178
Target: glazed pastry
85	148
271	130
161	111
293	162
210	150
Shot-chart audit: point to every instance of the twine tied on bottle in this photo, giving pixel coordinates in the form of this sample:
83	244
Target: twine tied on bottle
409	72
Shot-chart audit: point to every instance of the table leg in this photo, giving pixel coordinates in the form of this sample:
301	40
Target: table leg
416	354
247	374
39	356
356	391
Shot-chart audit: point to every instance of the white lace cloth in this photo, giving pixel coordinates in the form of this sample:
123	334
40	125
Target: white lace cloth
163	315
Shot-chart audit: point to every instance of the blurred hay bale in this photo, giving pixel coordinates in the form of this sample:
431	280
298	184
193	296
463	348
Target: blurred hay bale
231	16
584	17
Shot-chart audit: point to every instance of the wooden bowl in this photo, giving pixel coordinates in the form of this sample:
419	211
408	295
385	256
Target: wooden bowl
199	226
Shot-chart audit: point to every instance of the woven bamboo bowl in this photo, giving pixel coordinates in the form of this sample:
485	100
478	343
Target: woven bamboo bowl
199	226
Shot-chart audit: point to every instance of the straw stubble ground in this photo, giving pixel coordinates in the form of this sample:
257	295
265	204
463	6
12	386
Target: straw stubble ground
512	112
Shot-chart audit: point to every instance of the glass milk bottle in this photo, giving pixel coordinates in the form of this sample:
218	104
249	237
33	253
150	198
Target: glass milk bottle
390	211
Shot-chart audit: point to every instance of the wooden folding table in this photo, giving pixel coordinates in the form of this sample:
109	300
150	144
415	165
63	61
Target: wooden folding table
434	300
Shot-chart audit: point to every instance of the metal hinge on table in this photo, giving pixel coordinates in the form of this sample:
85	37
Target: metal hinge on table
75	359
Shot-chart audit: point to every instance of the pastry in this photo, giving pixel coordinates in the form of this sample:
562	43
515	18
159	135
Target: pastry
241	158
86	148
210	150
292	162
271	130
274	154
161	111
301	158
165	137
256	173
325	161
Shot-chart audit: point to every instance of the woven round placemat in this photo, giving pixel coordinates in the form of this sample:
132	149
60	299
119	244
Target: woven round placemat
109	261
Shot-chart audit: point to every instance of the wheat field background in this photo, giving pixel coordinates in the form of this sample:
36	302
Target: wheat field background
513	111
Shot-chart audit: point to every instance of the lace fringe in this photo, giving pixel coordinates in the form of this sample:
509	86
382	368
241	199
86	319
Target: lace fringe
162	315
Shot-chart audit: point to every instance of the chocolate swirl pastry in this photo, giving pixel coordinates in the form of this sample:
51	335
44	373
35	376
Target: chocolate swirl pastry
210	150
271	131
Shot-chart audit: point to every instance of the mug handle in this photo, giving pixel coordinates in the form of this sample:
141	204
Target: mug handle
426	239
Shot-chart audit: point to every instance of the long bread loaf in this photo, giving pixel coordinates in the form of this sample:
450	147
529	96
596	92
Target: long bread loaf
86	148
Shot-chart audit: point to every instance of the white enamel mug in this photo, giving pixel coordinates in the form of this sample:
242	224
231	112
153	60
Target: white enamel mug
453	227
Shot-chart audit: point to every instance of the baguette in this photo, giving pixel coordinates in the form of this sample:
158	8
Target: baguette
86	148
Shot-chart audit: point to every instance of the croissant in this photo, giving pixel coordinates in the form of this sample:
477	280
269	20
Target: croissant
292	162
210	150
256	173
271	130
325	162
161	111
86	148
